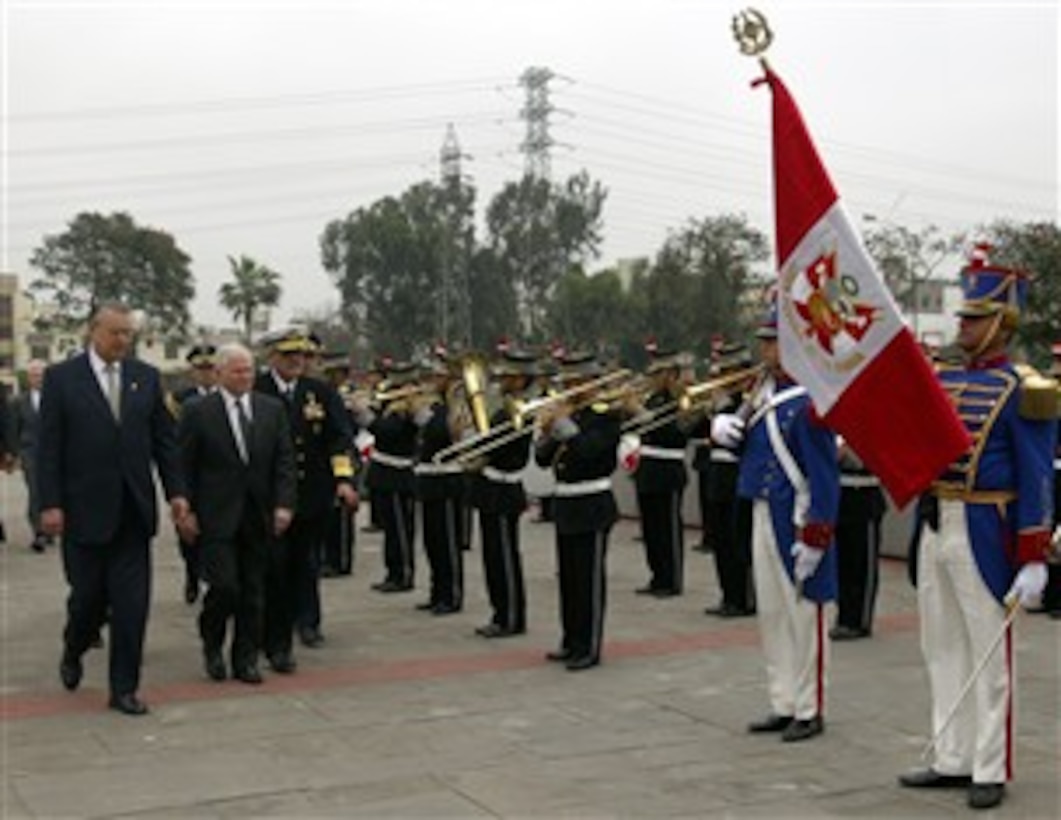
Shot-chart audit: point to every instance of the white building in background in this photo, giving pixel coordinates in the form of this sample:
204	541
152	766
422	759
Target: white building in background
25	334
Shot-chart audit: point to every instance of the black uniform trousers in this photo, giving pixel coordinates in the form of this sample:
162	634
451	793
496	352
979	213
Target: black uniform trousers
731	522
1052	593
703	492
857	557
190	556
292	589
397	517
581	562
442	532
337	549
234	570
503	568
664	535
114	577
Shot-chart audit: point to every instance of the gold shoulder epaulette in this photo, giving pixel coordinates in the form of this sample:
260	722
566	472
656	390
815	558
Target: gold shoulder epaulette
1040	397
172	405
600	407
342	466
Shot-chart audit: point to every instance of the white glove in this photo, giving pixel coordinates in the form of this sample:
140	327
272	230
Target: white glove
807	560
727	429
629	452
1056	540
1028	586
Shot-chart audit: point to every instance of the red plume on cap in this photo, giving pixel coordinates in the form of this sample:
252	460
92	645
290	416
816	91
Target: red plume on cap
557	349
441	351
651	345
980	254
503	345
1055	350
386	361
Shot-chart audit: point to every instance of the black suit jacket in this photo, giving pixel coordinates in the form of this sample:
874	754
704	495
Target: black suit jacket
25	425
220	483
320	430
89	463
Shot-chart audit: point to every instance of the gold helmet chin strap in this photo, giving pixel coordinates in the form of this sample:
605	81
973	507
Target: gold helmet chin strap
989	337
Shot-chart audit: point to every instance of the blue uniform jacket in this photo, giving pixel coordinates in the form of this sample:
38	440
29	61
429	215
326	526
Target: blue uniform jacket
1010	454
813	446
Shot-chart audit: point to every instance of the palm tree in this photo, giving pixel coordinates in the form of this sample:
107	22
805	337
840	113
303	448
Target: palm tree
254	286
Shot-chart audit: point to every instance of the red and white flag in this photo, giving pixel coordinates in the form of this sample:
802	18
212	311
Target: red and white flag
839	329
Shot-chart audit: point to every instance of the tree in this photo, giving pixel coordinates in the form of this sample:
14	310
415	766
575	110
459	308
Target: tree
253	286
387	261
1036	248
907	258
110	258
538	232
700	282
590	311
494	312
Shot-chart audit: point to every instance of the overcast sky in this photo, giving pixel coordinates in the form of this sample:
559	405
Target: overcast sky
244	126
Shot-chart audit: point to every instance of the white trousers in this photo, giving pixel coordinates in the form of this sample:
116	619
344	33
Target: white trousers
792	629
959	620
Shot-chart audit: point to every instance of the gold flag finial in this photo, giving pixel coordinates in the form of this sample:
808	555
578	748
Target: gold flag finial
752	33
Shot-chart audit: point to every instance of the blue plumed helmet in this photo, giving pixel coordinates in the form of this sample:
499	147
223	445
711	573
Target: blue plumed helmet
991	289
767	328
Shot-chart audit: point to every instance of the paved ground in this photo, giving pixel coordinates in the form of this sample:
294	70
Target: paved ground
403	714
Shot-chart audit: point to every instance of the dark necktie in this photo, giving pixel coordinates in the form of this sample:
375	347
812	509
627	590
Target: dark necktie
244	428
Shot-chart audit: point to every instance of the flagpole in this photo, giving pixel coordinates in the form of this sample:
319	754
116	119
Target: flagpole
753	34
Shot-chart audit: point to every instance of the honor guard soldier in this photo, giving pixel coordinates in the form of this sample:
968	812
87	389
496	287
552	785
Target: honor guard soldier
439	489
337	549
203	373
789	470
726	517
580	440
985	547
499	495
857	547
322	440
391	482
660	479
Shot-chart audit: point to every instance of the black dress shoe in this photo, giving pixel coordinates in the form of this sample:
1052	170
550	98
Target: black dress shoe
729	611
328	571
445	609
497	631
282	663
931	779
799	730
97	642
248	674
647	590
128	704
559	655
70	672
986	795
666	593
214	665
38	544
771	723
392	586
847	633
310	637
578	663
426	606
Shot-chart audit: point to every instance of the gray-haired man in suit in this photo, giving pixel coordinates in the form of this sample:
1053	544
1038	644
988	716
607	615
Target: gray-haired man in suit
25	423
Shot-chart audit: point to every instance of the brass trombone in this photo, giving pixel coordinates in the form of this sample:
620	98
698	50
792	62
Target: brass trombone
520	413
692	399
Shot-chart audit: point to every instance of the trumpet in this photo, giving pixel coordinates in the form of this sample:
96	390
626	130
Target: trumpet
692	399
520	413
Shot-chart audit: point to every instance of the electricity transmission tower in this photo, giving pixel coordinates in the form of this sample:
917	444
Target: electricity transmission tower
455	303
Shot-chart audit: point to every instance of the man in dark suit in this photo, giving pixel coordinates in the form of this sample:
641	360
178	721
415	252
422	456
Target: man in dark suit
104	424
25	423
204	382
322	441
240	469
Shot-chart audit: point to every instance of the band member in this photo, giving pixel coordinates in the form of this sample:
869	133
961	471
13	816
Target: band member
240	468
1052	595
789	470
499	496
322	439
580	440
986	548
201	361
390	480
337	549
660	479
439	488
857	547
727	517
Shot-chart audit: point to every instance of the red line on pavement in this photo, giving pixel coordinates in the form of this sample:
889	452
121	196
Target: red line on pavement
24	707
